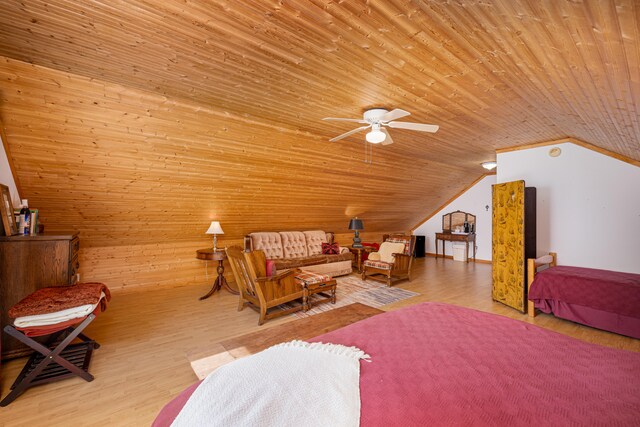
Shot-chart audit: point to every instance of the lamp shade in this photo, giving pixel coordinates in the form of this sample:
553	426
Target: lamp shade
356	224
215	228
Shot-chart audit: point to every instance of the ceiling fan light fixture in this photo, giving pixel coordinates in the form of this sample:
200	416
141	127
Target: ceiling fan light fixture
375	136
374	119
489	165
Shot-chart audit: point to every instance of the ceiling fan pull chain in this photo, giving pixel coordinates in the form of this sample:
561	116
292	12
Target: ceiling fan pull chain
365	152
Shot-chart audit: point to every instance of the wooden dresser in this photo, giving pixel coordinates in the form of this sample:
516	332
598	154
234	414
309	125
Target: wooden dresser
28	263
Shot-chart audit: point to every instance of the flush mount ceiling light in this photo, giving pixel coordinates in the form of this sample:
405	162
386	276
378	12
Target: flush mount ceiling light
376	136
489	165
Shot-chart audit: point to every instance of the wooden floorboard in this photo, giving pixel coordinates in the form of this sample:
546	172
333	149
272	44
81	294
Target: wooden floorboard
146	336
207	359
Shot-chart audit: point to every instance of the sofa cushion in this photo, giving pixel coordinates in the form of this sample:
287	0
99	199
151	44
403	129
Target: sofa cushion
405	240
294	244
282	264
344	256
285	263
378	264
374	256
270	243
387	249
315	239
333	269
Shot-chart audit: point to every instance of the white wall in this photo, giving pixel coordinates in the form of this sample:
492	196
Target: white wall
588	204
473	201
6	177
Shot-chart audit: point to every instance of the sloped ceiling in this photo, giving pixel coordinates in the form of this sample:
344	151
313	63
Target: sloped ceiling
143	116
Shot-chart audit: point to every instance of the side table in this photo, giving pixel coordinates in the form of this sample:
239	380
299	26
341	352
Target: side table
220	256
358	255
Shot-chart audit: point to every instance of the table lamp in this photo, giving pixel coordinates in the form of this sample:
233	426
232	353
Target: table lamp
356	225
215	229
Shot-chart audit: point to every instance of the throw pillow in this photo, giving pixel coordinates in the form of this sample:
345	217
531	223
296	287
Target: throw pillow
330	248
365	254
271	268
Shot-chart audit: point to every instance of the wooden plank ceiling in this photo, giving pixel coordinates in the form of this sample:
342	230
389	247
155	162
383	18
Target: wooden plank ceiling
139	121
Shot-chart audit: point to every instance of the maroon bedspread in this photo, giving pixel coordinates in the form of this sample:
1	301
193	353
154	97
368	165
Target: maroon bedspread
438	364
604	290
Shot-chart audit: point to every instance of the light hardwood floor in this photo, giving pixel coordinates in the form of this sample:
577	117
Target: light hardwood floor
147	333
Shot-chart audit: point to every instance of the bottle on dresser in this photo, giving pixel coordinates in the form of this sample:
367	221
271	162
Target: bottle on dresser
25	218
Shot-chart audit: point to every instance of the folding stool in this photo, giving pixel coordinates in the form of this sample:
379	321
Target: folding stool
55	360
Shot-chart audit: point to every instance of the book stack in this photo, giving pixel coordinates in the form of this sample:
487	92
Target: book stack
33	227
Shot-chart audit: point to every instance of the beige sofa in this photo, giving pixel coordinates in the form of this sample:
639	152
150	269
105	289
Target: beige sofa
300	249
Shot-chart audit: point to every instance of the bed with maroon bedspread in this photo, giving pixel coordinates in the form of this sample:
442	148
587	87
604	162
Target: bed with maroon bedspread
603	299
439	364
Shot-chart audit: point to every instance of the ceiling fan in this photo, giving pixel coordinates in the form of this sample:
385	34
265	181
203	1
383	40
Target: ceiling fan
379	118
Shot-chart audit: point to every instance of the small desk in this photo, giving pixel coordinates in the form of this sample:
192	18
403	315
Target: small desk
358	255
220	256
451	237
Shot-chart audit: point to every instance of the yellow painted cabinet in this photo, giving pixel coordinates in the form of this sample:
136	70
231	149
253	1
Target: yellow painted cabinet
513	241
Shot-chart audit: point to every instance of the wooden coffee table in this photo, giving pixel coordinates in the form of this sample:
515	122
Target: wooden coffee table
319	289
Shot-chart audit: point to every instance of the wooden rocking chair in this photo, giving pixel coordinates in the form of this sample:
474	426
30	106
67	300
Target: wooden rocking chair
384	266
259	291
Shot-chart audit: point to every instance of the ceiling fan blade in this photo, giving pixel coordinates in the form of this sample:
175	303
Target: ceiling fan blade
344	120
351	132
414	126
388	140
394	115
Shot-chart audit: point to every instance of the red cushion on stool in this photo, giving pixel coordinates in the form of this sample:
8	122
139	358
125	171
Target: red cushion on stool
57	298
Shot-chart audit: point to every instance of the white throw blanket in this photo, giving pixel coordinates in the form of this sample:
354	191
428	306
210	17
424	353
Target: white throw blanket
291	384
56	316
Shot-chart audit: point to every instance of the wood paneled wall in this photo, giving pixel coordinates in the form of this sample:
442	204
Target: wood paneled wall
141	176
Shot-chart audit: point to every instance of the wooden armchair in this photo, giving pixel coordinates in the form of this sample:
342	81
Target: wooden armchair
392	261
259	291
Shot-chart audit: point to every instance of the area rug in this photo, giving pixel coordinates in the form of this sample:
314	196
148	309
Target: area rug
352	289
